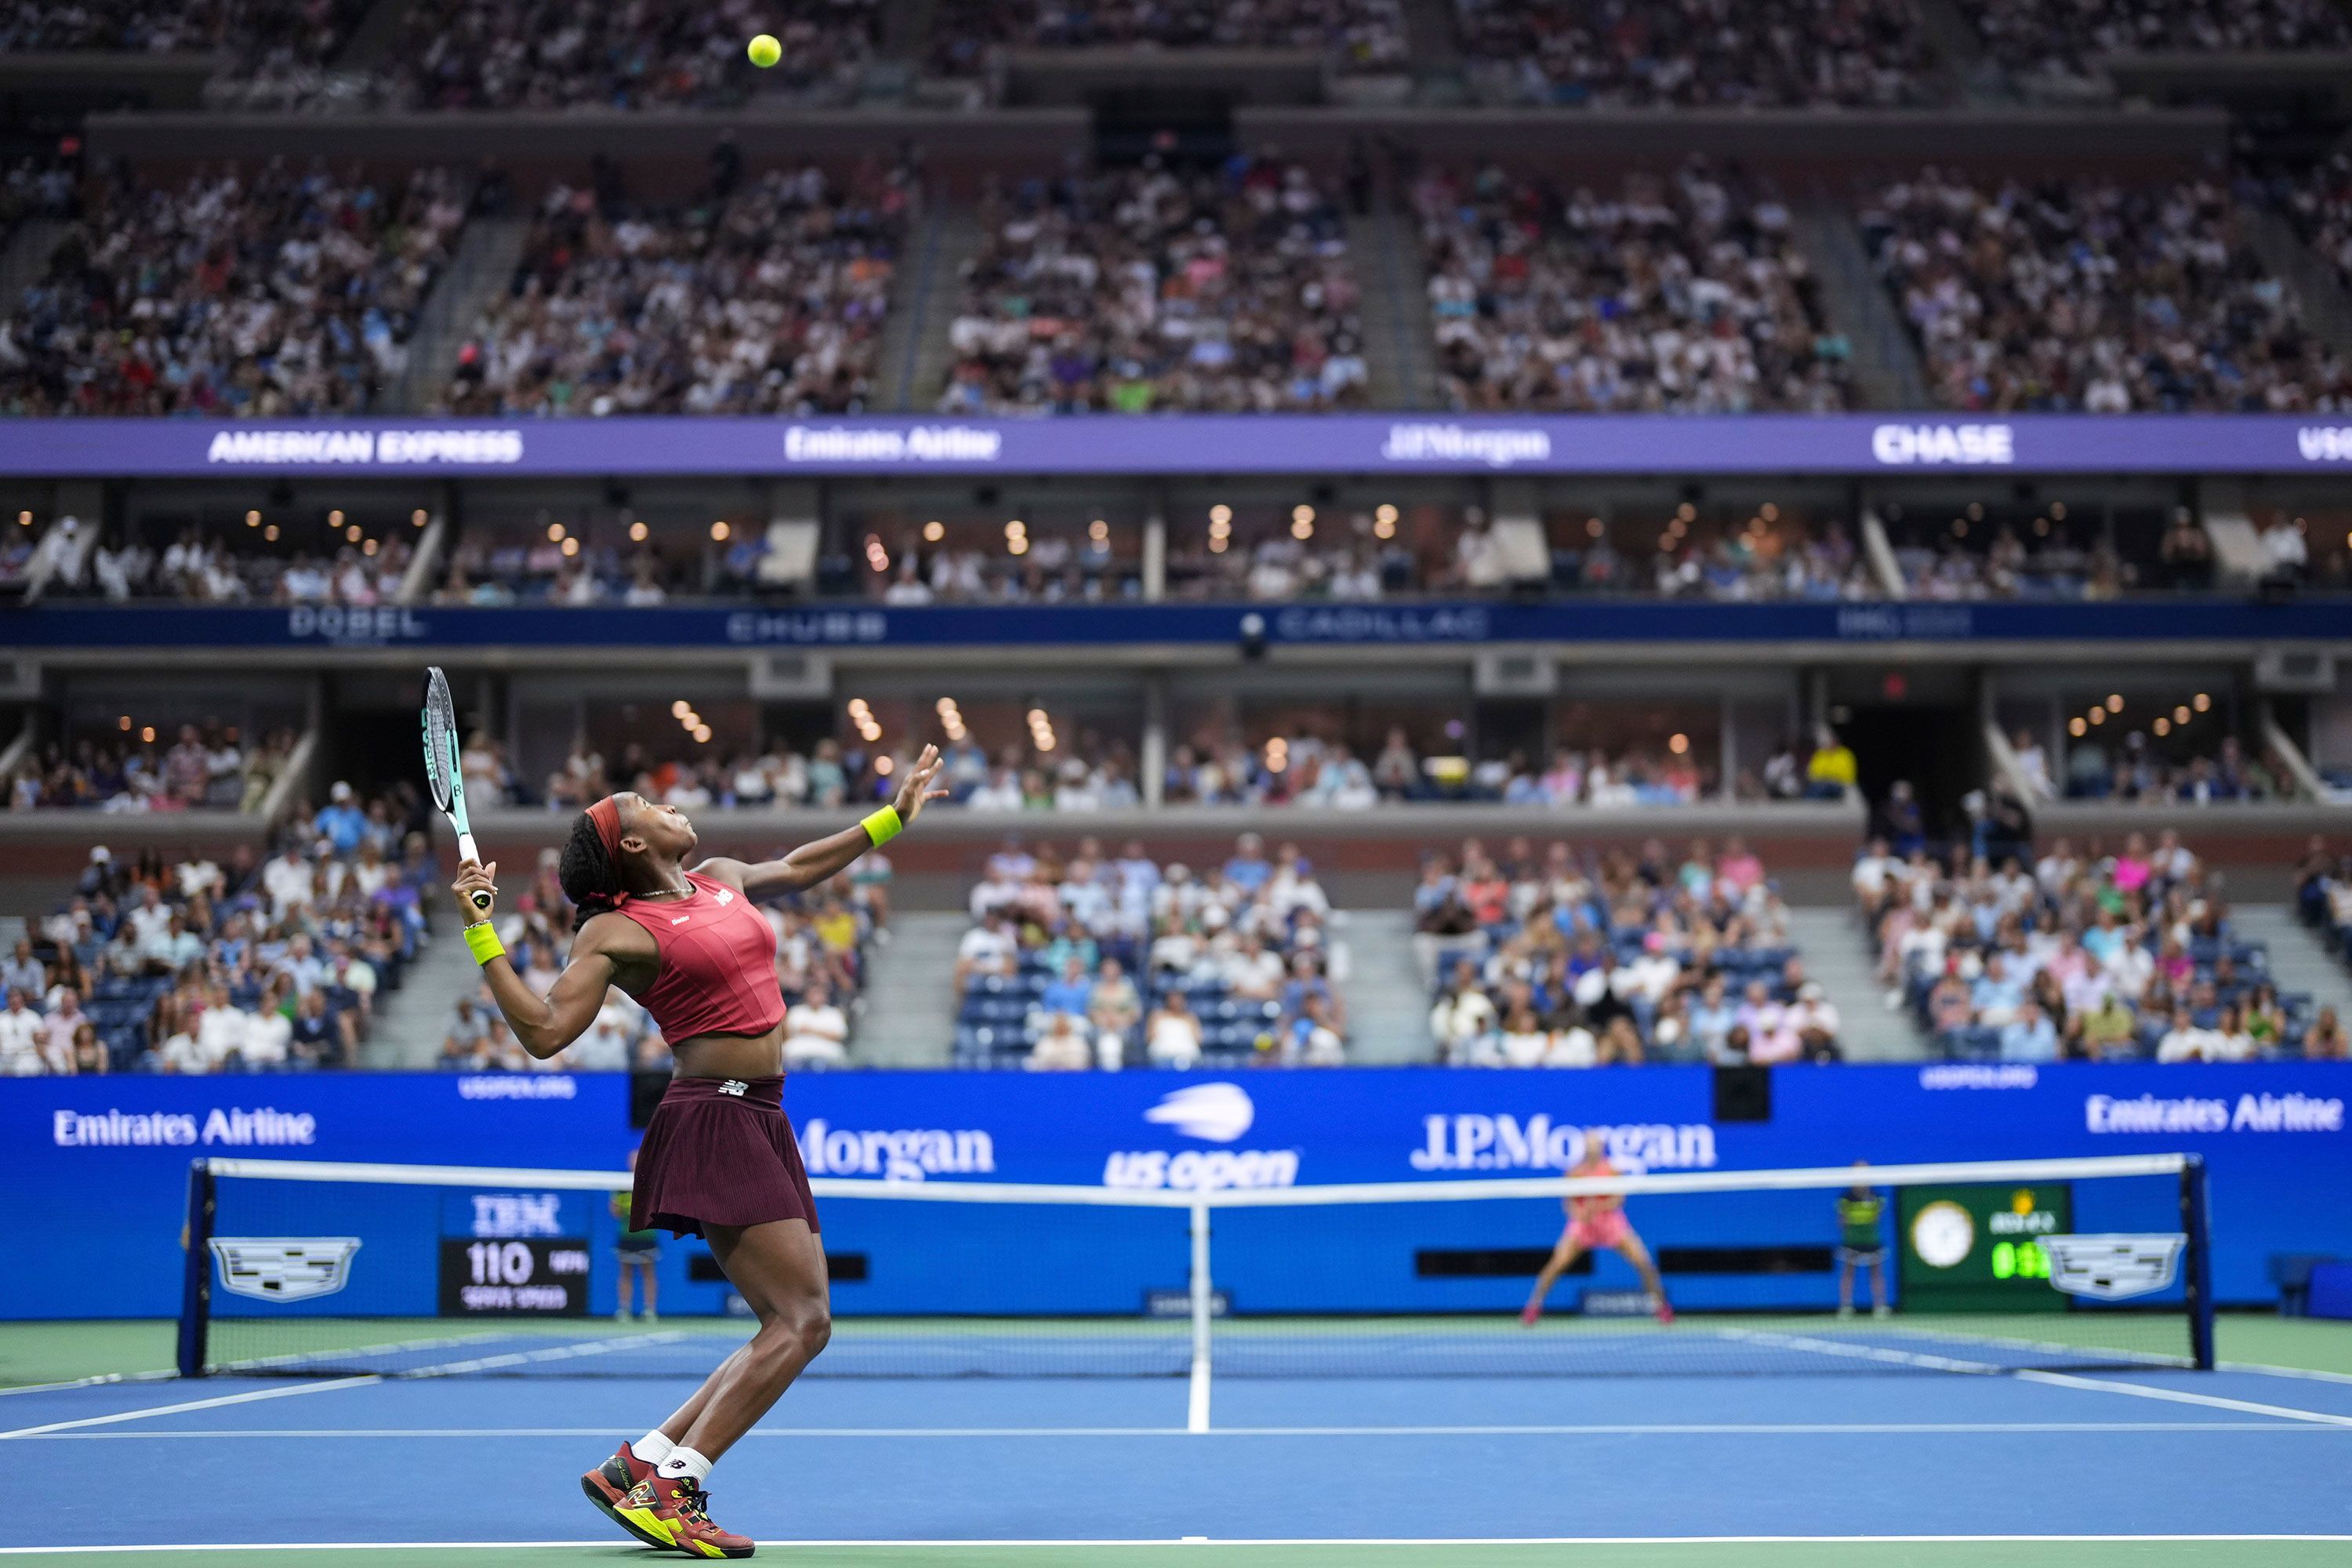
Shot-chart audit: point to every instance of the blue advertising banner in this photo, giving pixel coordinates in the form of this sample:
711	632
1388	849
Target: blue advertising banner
1395	625
1185	444
100	1164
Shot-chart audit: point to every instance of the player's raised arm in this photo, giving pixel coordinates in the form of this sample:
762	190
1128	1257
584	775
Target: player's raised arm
813	862
543	1025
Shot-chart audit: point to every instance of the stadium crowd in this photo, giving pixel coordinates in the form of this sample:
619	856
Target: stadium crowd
1151	287
207	766
765	298
2323	901
1692	53
2093	297
2134	769
529	53
1575	961
199	567
2320	207
1682	294
1098	961
2077	955
258	34
201	967
1360	36
2041	42
273	290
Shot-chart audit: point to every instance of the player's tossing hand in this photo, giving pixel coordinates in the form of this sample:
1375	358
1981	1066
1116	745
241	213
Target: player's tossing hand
473	877
917	790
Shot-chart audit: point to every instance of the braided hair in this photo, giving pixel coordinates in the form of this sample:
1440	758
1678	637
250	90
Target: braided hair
589	877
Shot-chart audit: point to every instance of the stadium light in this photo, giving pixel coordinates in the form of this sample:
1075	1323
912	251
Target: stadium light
934	530
637	531
719	530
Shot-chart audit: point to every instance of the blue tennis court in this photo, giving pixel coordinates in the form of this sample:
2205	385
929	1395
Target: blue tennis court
468	1467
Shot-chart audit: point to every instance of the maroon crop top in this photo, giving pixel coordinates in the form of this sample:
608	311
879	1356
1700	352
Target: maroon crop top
717	973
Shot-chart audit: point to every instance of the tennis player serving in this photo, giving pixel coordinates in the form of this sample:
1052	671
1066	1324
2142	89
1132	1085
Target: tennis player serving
1596	1220
717	1160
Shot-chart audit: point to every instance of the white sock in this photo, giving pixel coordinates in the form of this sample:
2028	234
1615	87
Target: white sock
684	1463
653	1447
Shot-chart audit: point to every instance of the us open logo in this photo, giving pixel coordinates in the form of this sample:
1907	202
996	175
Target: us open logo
283	1267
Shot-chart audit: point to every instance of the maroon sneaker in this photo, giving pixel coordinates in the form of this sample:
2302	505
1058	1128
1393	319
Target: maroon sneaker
678	1510
609	1483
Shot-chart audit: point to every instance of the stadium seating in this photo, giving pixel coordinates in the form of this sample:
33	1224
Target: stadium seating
1682	295
1985	956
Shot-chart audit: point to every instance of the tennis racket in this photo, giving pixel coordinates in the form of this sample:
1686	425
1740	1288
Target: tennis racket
442	772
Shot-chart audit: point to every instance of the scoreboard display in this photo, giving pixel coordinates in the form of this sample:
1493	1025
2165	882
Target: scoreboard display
521	1277
1978	1248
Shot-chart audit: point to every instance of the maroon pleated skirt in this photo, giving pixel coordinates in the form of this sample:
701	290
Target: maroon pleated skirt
720	1152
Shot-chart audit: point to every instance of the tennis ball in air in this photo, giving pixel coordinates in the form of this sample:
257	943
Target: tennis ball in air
766	51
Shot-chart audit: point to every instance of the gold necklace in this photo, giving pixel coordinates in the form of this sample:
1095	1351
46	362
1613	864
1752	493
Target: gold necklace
684	892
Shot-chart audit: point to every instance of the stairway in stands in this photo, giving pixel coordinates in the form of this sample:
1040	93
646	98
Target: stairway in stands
1388	1005
2298	961
1837	952
908	1019
412	1021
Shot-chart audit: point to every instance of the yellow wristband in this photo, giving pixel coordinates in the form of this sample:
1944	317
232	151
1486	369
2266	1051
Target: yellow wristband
884	825
483	938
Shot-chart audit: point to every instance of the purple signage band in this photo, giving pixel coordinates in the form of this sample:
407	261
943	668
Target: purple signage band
1850	444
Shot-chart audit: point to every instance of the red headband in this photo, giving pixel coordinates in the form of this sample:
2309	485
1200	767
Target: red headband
607	814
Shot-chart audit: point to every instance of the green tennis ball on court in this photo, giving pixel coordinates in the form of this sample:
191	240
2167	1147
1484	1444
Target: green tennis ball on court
766	51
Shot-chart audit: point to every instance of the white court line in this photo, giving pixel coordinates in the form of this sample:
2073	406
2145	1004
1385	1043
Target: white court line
94	1380
2312	1373
1197	1540
192	1405
2183	1396
1598	1429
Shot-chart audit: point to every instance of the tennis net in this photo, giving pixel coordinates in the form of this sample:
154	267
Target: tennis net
316	1268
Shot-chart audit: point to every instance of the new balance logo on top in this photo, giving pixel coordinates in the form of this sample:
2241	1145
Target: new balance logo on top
734	1086
725	896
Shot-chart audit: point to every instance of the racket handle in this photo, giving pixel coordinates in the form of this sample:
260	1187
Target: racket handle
467	854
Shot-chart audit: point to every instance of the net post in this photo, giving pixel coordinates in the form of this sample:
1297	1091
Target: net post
2195	1222
196	1278
1196	1411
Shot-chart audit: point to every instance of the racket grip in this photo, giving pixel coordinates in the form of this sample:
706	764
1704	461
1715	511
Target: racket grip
467	853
